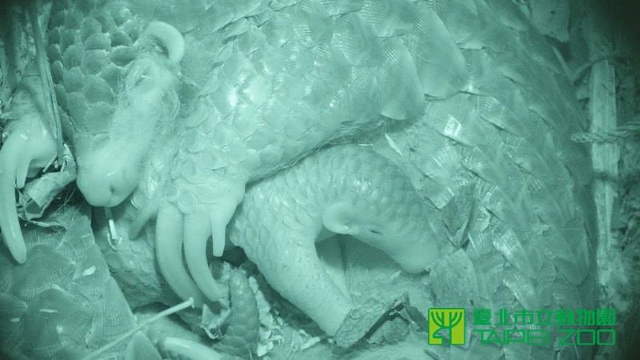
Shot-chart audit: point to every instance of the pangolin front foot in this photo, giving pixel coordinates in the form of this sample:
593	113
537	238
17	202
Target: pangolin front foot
189	218
28	146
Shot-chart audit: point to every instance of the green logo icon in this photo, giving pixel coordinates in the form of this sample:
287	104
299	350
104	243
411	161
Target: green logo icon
451	319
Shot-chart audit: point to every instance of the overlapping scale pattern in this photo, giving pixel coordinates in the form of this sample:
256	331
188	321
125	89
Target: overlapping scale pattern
289	77
89	45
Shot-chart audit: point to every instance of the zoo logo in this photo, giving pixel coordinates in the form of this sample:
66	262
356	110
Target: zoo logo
540	327
451	319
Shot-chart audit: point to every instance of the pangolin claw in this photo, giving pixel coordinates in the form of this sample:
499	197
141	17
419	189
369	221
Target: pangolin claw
169	238
29	146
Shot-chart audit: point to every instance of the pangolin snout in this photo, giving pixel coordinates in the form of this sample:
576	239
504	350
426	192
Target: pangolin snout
105	179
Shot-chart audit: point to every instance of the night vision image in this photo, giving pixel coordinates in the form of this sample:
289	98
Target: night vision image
319	180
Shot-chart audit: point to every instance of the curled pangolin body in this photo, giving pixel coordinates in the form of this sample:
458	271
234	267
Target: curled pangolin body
348	190
346	173
287	80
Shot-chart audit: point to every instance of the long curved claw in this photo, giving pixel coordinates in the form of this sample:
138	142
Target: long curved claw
8	216
169	235
28	146
210	219
220	217
197	231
